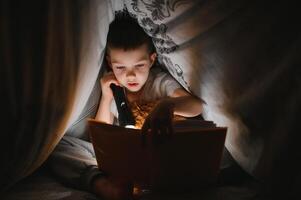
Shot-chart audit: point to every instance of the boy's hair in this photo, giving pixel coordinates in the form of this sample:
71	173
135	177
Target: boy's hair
125	33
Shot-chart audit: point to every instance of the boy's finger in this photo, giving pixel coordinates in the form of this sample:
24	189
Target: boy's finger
114	82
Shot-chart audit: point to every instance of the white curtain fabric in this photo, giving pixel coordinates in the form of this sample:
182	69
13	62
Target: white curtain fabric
51	52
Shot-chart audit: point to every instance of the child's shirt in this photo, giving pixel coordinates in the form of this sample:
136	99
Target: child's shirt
158	85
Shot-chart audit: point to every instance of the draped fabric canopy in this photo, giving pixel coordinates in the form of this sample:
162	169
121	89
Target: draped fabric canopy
242	58
50	58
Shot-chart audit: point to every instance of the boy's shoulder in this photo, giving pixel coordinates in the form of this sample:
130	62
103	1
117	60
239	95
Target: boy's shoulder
158	75
158	72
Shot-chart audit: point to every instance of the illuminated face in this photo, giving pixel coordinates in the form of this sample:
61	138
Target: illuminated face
131	67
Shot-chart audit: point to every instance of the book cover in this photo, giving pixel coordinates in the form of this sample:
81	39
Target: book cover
192	153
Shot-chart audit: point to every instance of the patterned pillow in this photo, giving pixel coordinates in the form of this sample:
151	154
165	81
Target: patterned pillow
158	19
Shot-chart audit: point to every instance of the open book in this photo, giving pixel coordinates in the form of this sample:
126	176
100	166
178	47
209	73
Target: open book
191	156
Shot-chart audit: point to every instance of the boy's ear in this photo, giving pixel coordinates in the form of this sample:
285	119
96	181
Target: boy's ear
153	57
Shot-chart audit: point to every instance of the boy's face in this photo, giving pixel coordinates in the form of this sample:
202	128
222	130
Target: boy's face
131	67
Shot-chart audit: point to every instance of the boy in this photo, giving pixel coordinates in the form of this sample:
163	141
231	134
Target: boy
131	57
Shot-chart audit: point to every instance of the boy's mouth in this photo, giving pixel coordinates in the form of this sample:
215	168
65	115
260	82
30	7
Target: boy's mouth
132	84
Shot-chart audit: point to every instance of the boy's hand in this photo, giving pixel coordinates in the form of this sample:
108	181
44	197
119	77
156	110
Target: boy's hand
112	190
159	121
105	83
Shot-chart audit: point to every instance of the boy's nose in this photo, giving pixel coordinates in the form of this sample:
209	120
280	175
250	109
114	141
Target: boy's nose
130	73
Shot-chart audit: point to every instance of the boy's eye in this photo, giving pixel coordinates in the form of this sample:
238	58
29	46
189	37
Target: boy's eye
120	67
140	65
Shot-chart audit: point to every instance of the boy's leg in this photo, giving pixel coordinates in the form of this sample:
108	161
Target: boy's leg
73	162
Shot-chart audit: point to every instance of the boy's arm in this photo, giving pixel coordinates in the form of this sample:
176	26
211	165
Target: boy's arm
180	102
185	104
104	113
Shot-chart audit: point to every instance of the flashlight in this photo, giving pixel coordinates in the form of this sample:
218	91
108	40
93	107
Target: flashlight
125	115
